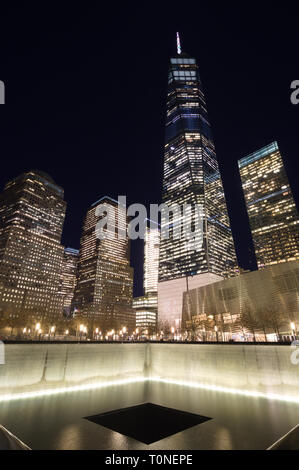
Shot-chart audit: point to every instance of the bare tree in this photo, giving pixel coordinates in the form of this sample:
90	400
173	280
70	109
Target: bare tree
249	321
271	318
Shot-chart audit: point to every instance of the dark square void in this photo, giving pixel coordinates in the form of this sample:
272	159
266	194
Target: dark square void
148	423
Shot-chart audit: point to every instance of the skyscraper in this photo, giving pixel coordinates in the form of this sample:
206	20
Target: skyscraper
68	278
191	176
146	306
151	260
272	212
104	290
32	211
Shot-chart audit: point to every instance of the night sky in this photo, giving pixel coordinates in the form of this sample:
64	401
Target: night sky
86	93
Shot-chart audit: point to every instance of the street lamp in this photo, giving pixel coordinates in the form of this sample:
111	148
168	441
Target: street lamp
216	331
293	328
172	332
81	330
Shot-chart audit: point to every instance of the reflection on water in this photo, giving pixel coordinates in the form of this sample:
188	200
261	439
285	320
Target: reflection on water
238	422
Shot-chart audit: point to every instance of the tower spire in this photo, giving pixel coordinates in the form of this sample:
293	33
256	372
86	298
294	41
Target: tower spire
178	43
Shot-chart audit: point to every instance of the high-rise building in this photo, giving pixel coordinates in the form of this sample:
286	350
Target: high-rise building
191	176
146	307
151	260
32	212
272	212
104	290
68	278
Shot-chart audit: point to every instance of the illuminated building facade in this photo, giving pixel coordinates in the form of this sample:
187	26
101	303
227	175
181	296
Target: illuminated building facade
261	302
146	312
191	176
151	260
68	278
272	212
32	212
146	306
104	290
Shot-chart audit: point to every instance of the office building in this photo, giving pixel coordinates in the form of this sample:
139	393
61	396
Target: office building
272	212
146	307
104	290
68	278
32	212
191	176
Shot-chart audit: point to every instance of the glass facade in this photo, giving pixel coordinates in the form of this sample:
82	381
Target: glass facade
104	288
151	260
191	176
68	278
146	307
146	312
260	304
32	212
270	205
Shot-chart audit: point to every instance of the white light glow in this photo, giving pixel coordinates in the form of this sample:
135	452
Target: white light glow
195	385
234	391
74	388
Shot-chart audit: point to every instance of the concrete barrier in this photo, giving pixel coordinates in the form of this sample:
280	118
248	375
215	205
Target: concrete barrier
46	366
34	367
267	368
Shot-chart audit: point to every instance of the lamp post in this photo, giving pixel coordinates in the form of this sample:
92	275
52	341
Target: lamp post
172	332
124	331
81	329
37	328
52	331
216	331
293	328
